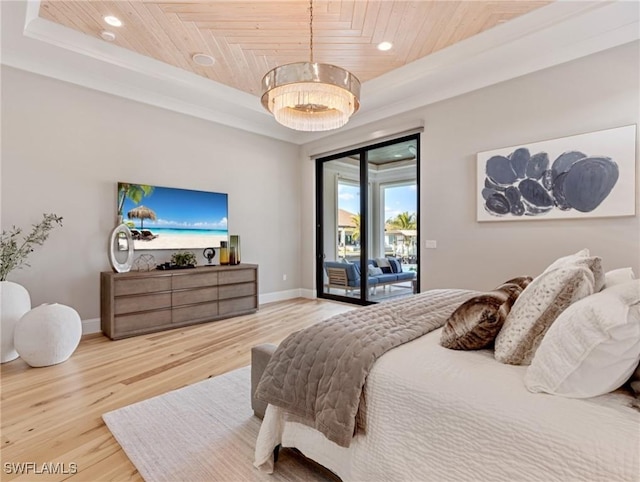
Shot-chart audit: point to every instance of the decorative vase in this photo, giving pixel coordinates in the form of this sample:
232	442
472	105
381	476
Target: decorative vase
234	245
14	302
48	334
224	253
121	248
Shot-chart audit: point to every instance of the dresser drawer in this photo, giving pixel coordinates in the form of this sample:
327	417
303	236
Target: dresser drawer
136	286
237	291
202	311
125	324
196	280
248	303
133	304
237	276
145	302
187	297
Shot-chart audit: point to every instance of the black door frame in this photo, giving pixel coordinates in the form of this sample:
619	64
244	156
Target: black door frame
362	152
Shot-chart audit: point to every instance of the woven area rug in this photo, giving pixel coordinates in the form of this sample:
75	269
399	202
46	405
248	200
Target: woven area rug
203	432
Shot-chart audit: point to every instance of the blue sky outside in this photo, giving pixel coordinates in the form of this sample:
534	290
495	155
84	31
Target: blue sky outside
183	209
398	199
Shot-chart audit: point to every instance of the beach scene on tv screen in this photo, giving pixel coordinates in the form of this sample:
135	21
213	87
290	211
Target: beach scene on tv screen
173	218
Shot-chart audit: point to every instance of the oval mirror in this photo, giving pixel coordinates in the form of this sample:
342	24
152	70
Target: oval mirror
121	249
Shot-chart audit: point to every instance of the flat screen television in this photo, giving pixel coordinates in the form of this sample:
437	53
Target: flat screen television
171	218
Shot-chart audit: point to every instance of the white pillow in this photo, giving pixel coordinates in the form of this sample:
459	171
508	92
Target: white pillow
592	348
373	271
617	276
539	305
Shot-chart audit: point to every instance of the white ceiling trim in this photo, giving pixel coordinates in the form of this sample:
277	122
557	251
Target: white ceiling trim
53	50
548	36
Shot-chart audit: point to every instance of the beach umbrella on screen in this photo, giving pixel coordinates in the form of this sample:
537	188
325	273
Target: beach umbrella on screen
142	213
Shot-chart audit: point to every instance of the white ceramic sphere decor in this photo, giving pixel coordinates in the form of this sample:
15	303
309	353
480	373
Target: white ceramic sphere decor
48	334
14	302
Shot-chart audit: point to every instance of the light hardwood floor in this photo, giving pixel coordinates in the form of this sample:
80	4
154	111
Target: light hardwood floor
53	414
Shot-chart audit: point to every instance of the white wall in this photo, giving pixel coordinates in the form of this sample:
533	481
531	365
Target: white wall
597	92
64	148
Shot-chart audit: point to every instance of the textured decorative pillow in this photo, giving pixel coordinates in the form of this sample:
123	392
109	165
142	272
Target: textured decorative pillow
592	348
538	306
581	258
594	263
570	259
618	276
373	271
521	281
476	322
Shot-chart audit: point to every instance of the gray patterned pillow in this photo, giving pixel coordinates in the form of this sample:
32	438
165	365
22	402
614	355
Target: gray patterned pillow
476	322
539	305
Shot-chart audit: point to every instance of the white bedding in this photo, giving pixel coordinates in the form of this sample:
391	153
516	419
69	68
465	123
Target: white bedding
435	414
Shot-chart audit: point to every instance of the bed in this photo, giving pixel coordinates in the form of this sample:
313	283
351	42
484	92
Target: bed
436	414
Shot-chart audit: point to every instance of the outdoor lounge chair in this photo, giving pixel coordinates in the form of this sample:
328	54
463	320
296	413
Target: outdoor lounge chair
147	235
135	234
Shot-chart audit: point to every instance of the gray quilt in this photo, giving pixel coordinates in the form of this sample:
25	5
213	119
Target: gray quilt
318	374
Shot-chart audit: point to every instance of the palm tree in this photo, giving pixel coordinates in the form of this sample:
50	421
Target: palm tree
135	192
356	228
403	221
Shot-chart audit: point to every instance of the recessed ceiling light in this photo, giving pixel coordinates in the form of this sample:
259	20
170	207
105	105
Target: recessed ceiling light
397	155
385	46
113	21
203	59
108	36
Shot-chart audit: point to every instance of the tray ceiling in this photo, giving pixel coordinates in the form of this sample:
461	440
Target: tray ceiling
247	39
442	50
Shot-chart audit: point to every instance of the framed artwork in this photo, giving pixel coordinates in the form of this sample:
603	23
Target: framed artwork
582	176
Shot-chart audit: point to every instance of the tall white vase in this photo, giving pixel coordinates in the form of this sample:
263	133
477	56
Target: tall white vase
14	302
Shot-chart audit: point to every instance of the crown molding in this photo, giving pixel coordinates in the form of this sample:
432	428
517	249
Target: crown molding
554	34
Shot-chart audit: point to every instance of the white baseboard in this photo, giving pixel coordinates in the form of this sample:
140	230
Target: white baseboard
91	326
310	294
279	296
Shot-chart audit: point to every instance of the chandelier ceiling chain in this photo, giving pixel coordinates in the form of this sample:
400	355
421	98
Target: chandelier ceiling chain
310	96
311	31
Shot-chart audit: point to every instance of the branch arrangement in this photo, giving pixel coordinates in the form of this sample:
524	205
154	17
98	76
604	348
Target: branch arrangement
14	252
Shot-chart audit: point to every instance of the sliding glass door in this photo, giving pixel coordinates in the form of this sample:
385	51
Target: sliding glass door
367	230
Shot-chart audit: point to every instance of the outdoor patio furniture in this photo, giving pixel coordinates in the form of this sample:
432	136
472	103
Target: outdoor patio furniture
147	235
348	276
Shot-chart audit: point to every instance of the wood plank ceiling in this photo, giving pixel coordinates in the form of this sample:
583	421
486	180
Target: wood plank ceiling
248	38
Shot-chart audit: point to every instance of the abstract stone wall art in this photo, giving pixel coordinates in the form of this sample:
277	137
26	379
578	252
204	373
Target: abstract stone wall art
582	176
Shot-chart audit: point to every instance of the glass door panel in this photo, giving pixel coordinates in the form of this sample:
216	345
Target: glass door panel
341	228
367	229
393	219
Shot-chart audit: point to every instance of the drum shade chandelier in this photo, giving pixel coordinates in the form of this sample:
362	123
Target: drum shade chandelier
308	96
